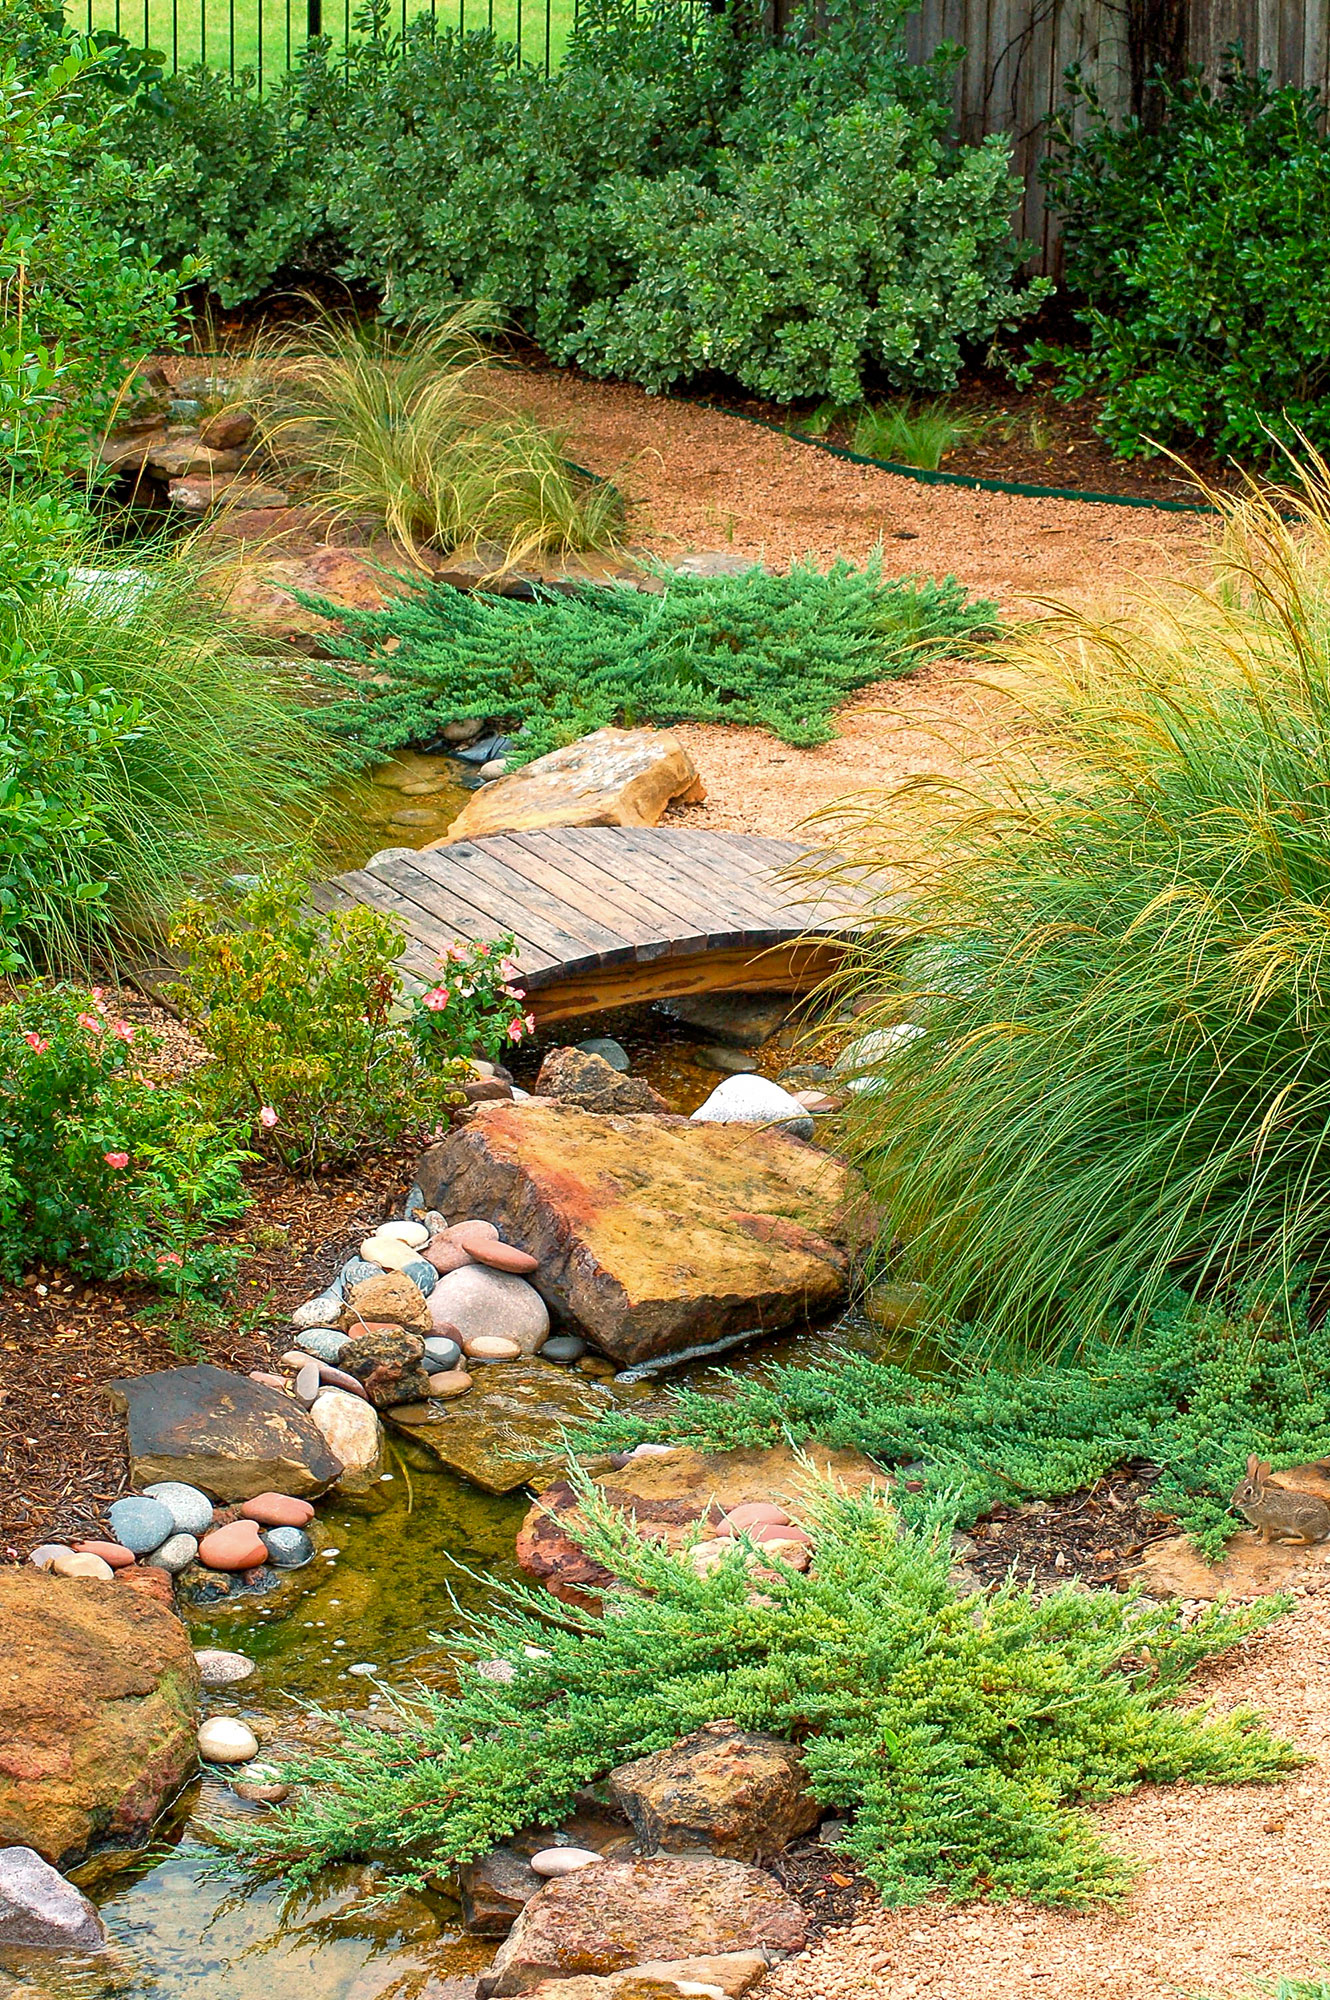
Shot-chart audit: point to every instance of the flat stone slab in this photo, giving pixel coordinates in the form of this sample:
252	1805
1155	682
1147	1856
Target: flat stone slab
656	1235
507	1431
224	1433
668	1495
614	777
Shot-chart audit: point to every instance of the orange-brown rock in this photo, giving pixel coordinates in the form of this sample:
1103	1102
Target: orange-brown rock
262	592
387	1300
236	1546
577	1076
615	777
669	1496
656	1234
98	1689
731	1974
737	1791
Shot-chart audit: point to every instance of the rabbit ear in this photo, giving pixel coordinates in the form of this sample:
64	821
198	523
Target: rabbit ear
1264	1468
1253	1466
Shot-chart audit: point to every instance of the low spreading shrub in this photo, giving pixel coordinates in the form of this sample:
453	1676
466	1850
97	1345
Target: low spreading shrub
147	749
961	1735
310	1041
105	1167
412	428
780	651
1201	246
1113	950
1194	1396
682	196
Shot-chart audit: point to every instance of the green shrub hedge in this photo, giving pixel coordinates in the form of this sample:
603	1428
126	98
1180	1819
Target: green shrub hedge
682	196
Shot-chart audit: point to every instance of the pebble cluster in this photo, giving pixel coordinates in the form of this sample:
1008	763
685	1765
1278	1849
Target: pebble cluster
169	1526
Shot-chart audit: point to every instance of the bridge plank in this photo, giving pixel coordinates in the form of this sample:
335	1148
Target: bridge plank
527	908
676	906
433	911
588	887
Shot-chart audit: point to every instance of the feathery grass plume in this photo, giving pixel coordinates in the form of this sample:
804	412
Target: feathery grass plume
1115	948
142	729
411	425
962	1735
913	433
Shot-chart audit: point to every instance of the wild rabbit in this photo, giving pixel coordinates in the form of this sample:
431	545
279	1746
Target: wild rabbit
1280	1515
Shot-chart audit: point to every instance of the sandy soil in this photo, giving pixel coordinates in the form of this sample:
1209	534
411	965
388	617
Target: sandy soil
1235	1887
698	479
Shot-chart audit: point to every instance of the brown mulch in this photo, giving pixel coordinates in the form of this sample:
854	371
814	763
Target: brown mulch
62	1449
1092	1535
831	1887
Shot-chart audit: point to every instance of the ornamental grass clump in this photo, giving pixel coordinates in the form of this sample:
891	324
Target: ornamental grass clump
961	1736
416	427
1115	947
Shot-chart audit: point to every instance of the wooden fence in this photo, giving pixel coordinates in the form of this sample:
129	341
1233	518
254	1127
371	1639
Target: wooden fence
1018	51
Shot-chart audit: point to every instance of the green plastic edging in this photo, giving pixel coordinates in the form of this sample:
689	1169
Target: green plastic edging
969	481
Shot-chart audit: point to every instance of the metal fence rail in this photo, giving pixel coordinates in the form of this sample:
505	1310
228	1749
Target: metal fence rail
260	40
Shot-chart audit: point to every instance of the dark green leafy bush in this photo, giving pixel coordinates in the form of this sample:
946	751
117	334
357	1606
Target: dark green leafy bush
781	651
1195	1395
1202	249
681	196
962	1736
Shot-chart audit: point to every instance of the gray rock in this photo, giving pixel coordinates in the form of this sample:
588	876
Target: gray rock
441	1353
40	1910
739	1020
175	1554
715	562
754	1100
324	1342
190	1510
563	1348
308	1383
415	1202
421	1274
288	1548
141	1525
211	1428
873	1051
355	1271
730	1062
608	1050
218	1668
321	1311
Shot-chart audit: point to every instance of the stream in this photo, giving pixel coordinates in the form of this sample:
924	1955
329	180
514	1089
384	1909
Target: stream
409	1560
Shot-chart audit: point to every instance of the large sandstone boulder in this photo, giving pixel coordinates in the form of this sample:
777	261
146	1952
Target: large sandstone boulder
509	1430
225	1433
739	1792
615	777
653	1234
618	1914
98	1690
731	1976
669	1496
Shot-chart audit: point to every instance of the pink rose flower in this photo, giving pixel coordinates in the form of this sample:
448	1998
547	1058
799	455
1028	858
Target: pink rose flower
91	1023
515	1031
116	1159
267	1118
124	1031
38	1042
436	999
167	1257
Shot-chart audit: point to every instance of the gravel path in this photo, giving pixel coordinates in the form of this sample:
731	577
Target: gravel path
1234	1889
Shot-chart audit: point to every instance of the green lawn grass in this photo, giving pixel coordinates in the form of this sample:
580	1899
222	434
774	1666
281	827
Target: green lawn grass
265	35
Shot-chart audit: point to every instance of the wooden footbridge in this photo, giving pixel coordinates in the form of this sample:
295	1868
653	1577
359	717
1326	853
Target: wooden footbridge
608	916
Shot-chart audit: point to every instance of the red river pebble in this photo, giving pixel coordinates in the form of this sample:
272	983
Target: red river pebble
277	1510
236	1546
110	1552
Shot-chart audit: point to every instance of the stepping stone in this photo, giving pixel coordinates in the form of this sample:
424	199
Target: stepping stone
508	1430
216	1430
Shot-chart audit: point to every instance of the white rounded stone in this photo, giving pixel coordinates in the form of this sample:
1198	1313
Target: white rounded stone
351	1432
871	1054
322	1311
218	1668
754	1100
388	1252
189	1508
476	1301
175	1554
414	1233
552	1862
223	1739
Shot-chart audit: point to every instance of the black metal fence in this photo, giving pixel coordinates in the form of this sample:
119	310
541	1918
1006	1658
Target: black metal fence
261	39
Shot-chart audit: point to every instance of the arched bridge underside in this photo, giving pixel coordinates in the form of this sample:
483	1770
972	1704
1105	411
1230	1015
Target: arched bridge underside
609	916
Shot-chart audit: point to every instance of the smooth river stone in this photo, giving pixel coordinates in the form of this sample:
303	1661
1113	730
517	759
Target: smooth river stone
113	1553
175	1554
322	1311
142	1525
476	1300
224	1739
288	1548
190	1510
325	1343
442	1351
481	1232
355	1272
45	1554
563	1349
753	1514
387	1253
277	1510
443	1256
450	1382
414	1234
308	1382
551	1862
422	1274
773	1531
92	1567
351	1429
236	1546
490	1347
218	1668
754	1100
505	1257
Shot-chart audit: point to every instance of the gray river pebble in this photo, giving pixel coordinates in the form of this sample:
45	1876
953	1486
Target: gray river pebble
141	1525
441	1353
218	1668
421	1274
319	1311
323	1341
288	1548
190	1510
564	1348
175	1554
355	1272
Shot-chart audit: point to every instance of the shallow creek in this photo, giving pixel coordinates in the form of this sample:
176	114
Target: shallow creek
408	1561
